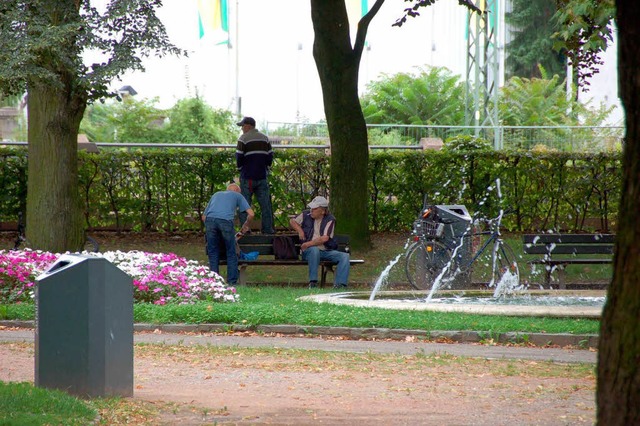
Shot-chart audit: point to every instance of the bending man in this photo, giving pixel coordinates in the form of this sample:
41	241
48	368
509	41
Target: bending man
218	221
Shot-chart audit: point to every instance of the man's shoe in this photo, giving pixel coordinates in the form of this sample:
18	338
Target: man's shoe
313	284
340	287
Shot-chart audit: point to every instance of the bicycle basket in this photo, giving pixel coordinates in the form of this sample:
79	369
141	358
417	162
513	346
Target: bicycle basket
428	228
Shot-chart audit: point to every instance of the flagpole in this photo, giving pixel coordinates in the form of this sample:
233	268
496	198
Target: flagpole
238	100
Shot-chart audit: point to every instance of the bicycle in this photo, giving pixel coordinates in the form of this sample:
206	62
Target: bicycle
21	242
432	258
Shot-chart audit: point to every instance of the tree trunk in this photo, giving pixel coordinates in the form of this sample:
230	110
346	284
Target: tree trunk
338	64
54	218
618	390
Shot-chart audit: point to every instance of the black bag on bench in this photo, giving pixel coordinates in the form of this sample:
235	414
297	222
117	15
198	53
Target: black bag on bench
284	248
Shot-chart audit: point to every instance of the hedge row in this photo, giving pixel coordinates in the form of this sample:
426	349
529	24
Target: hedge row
169	189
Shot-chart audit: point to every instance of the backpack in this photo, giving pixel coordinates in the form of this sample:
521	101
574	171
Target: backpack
284	248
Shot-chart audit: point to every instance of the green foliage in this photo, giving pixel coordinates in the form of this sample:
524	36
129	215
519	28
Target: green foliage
544	102
10	101
169	189
389	137
153	190
302	130
532	44
42	49
584	31
433	96
43	43
190	120
536	102
25	404
193	121
13	178
467	143
127	120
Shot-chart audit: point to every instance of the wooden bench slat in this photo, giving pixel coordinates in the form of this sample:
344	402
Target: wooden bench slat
564	249
571	261
570	249
568	238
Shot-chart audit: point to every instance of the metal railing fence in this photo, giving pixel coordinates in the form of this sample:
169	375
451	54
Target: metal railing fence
561	138
392	136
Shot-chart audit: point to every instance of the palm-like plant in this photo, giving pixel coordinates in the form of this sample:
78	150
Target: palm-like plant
433	96
544	102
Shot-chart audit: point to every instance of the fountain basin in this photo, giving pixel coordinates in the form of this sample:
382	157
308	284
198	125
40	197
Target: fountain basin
415	300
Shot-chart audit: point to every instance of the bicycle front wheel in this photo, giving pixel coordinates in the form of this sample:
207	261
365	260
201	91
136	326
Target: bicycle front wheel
425	261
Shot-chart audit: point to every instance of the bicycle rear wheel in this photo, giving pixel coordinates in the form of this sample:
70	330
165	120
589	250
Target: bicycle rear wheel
20	243
497	267
90	245
505	267
425	261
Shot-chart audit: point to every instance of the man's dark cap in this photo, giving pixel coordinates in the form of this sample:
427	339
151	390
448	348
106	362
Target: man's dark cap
247	120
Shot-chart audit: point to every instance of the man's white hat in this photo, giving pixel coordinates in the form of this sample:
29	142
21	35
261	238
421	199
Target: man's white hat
318	202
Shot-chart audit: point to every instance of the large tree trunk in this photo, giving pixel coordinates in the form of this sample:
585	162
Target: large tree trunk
618	393
338	64
56	104
54	218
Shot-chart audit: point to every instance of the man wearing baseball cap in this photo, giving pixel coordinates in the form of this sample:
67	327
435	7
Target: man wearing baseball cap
254	156
315	227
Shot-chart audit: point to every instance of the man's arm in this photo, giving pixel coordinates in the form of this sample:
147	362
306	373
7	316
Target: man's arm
246	225
239	154
269	156
296	227
318	241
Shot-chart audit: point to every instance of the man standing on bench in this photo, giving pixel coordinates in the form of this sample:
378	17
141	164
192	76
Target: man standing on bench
218	222
254	156
315	228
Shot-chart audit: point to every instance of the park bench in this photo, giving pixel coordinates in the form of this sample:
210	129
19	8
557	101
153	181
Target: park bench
560	250
263	244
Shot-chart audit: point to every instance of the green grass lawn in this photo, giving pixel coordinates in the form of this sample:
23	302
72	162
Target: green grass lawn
24	404
262	305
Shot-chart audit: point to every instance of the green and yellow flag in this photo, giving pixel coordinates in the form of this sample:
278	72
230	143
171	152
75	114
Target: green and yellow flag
213	20
356	9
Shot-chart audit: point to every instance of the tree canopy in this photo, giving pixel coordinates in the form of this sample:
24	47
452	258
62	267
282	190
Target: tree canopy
584	32
39	39
43	44
532	44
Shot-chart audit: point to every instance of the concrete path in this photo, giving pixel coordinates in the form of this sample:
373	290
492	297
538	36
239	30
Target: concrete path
381	343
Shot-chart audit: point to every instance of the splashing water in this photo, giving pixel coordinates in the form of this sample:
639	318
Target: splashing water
383	276
508	285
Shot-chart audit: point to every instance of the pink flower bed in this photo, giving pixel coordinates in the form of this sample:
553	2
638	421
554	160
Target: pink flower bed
158	278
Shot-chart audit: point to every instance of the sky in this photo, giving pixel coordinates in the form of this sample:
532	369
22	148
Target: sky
277	76
269	63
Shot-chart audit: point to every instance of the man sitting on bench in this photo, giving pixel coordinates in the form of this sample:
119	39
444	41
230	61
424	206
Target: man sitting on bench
315	228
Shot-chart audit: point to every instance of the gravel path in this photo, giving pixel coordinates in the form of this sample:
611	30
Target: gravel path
245	379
